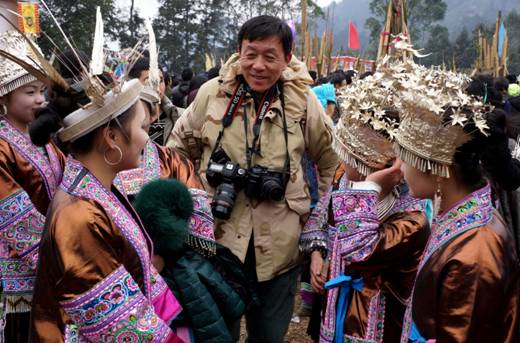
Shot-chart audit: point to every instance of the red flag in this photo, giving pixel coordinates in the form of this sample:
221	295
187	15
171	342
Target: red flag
353	37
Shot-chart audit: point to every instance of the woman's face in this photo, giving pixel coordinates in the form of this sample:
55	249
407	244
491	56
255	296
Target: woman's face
162	85
24	102
138	132
422	185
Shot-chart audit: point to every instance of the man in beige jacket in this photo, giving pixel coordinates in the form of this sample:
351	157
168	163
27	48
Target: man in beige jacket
260	112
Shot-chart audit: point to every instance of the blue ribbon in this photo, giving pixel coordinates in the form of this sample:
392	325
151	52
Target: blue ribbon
415	335
345	284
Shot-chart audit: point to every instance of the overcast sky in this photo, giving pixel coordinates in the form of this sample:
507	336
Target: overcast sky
148	8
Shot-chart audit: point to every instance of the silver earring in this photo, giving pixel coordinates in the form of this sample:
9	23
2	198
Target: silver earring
110	163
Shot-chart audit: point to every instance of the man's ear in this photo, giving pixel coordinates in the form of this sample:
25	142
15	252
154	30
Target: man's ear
288	58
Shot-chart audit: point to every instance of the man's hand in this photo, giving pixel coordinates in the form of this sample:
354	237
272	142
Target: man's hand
317	274
387	178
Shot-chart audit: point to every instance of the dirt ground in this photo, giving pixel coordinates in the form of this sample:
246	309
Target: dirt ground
297	331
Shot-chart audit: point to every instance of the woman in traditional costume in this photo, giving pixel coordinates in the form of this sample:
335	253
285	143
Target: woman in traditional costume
29	178
96	279
157	161
467	286
368	227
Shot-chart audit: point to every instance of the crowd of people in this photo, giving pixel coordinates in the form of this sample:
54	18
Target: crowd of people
139	207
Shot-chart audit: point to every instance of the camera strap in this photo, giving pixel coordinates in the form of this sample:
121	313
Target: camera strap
265	105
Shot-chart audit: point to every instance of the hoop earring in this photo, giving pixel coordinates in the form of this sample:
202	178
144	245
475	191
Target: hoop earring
3	110
113	163
437	199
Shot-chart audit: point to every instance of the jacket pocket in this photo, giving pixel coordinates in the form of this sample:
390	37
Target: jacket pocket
297	199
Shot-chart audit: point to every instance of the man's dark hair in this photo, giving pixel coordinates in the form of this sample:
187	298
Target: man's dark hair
187	74
69	66
213	72
365	75
167	78
141	65
313	75
337	78
349	75
501	84
512	78
263	27
321	81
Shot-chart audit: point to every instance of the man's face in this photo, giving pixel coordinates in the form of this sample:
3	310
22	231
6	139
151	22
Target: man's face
143	77
262	62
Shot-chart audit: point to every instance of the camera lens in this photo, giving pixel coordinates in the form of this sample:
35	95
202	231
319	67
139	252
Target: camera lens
272	189
223	201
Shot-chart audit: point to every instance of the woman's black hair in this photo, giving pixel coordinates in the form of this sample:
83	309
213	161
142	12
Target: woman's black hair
469	166
483	85
49	119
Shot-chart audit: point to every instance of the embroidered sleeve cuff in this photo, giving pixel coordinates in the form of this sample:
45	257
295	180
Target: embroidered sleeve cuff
115	310
366	186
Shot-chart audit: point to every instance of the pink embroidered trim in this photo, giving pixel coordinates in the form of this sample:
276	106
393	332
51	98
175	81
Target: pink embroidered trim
130	182
115	310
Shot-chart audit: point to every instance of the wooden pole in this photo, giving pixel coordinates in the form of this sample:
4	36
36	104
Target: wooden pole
303	28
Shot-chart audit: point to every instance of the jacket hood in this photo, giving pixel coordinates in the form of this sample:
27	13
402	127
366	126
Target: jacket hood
295	78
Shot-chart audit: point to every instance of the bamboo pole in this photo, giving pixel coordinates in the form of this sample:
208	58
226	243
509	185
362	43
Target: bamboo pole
384	40
319	59
303	27
308	53
330	44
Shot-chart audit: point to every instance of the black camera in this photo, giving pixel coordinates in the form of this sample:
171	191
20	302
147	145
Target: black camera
265	184
228	179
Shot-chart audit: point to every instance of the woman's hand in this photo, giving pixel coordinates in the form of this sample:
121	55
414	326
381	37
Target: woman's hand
387	178
317	277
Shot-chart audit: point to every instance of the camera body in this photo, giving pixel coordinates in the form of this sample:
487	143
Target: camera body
265	184
228	178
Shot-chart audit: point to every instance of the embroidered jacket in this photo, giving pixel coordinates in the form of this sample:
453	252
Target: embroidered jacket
383	253
157	162
467	287
96	282
29	177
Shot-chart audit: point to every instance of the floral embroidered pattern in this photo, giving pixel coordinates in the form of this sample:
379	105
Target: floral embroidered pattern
18	276
48	168
473	212
72	334
115	310
130	182
21	226
314	233
201	226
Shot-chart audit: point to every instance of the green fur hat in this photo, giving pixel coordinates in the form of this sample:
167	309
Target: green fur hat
165	207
